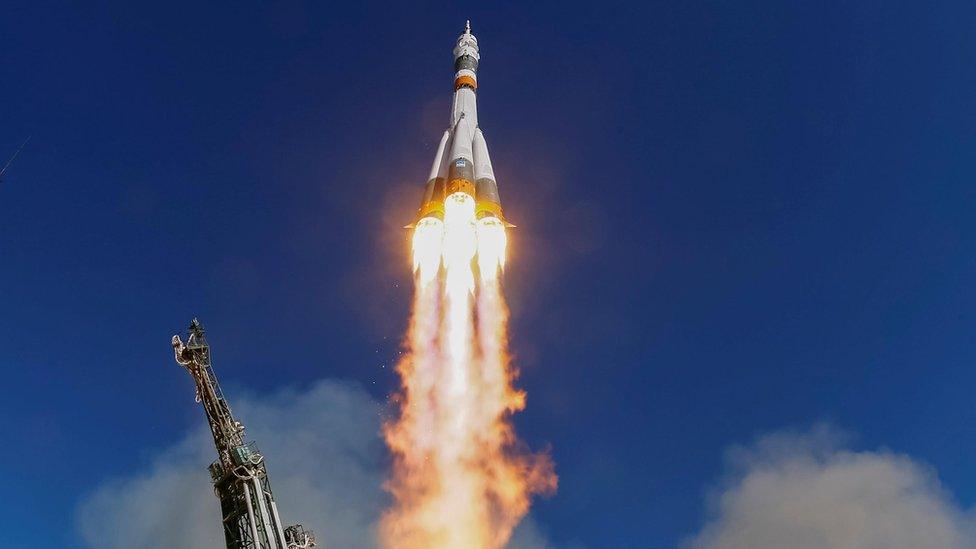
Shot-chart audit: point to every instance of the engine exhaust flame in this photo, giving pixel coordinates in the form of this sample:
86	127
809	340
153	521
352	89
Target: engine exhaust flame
427	249
461	478
491	248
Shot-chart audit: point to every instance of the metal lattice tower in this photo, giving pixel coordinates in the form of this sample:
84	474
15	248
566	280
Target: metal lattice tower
240	478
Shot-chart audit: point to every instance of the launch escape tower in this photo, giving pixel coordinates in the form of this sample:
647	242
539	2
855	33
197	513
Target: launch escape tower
240	478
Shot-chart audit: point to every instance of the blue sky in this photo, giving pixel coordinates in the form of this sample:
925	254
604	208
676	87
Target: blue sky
733	218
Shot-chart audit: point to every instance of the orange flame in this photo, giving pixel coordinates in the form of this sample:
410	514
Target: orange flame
461	479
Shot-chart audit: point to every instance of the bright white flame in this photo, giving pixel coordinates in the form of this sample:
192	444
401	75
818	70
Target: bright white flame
491	247
460	241
461	479
460	245
427	237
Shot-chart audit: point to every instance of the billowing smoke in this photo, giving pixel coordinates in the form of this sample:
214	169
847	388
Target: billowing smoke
807	491
326	459
328	464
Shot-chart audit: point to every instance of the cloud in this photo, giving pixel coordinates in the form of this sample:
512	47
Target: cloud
327	463
326	460
806	490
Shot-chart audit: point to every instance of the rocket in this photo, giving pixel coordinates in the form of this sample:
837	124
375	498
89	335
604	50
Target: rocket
462	164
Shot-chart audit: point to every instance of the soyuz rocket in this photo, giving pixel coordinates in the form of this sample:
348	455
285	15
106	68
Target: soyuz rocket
461	164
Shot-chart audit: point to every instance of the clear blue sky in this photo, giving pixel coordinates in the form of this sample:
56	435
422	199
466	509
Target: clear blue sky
734	217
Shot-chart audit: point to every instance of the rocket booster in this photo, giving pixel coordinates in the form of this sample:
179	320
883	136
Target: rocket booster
462	164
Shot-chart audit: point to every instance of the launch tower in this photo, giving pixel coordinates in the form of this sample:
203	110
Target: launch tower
240	478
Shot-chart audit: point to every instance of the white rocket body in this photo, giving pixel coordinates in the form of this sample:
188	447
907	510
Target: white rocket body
462	163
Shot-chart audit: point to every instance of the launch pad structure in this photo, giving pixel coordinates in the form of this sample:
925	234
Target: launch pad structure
240	476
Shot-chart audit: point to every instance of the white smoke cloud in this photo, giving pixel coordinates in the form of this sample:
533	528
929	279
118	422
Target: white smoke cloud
807	491
327	465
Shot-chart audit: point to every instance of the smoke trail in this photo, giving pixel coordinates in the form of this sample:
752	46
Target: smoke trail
460	478
515	473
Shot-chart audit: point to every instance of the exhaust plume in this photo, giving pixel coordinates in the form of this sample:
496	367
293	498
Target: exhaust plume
460	478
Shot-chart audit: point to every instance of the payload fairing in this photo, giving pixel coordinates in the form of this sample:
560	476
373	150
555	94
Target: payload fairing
462	164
